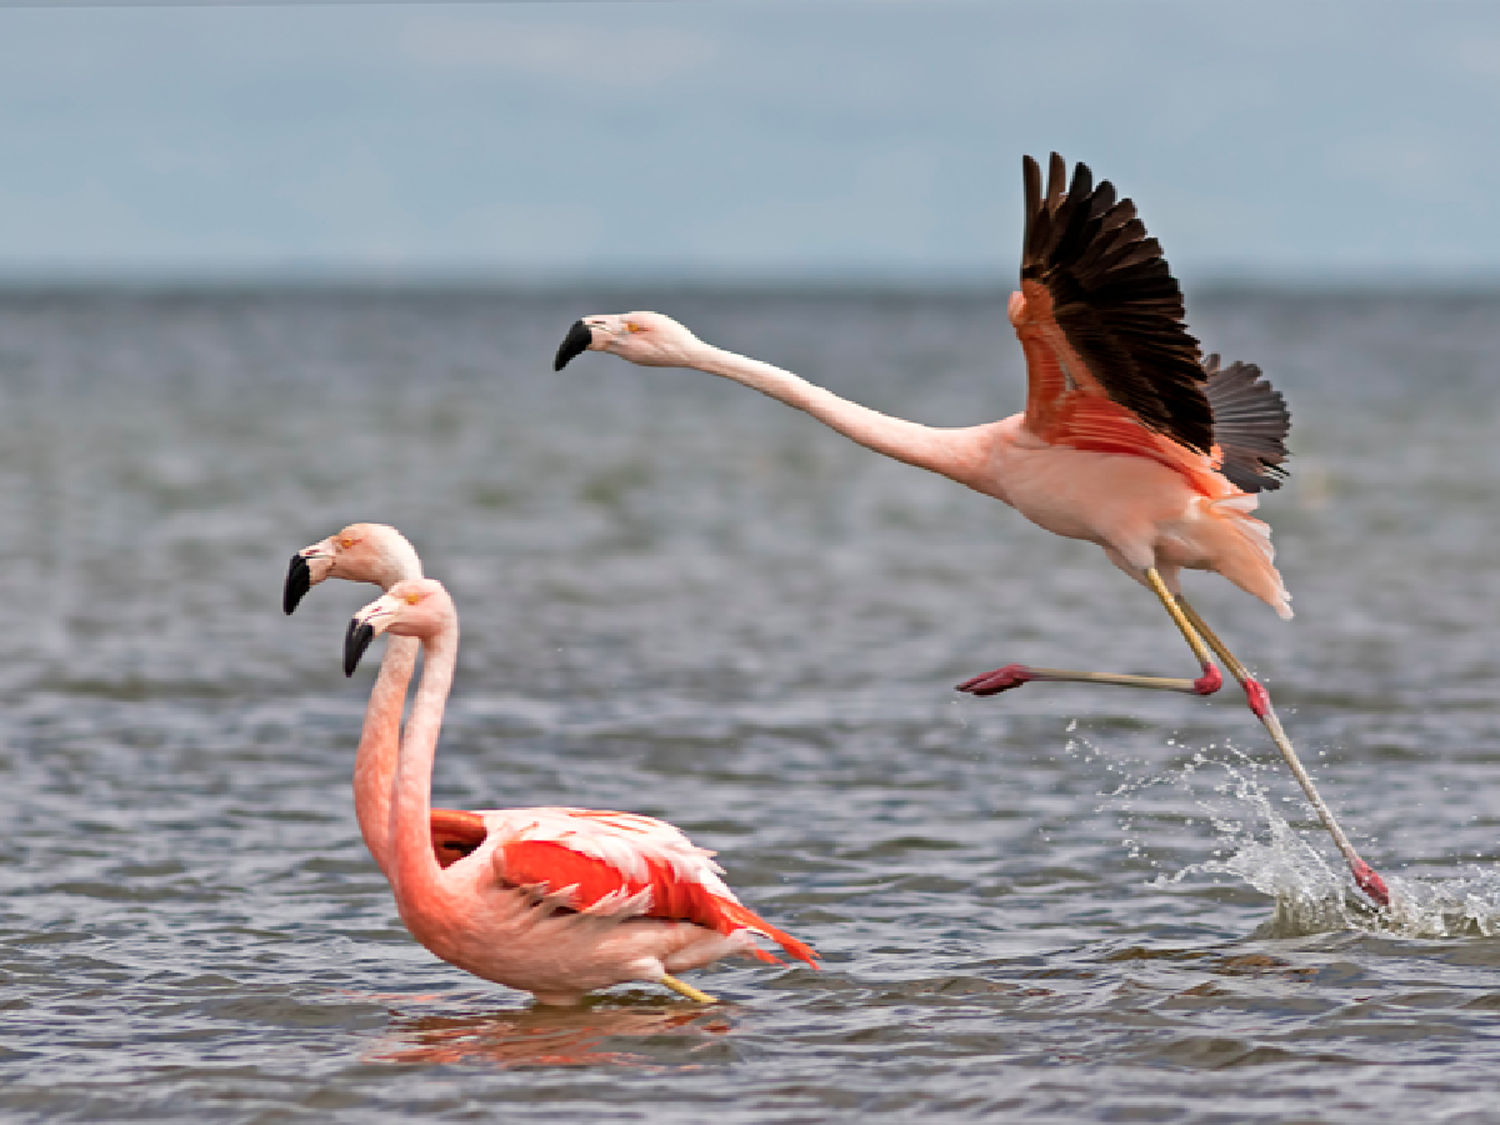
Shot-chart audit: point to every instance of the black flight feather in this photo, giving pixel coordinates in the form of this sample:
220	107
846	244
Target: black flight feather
1251	422
1116	300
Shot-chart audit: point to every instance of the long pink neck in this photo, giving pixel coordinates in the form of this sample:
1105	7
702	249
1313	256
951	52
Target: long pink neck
379	744
380	739
414	870
956	453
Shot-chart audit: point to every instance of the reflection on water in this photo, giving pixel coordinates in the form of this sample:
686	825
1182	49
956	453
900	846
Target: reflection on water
599	1034
681	598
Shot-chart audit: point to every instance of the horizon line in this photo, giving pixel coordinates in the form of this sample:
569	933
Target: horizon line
952	282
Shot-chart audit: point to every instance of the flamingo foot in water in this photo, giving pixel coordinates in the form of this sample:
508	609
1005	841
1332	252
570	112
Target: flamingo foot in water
1366	878
682	988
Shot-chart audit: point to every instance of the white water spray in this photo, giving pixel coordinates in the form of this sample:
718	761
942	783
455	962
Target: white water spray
1256	845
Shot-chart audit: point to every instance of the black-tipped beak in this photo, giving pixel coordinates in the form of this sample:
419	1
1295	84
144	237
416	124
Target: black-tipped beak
356	640
298	583
574	344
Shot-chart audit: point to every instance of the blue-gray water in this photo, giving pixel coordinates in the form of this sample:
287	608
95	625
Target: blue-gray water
1061	904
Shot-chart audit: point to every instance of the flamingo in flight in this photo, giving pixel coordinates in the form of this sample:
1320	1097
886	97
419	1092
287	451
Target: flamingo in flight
553	901
379	554
1130	439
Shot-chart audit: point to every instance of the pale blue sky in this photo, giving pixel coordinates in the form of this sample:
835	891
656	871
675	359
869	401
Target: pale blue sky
727	139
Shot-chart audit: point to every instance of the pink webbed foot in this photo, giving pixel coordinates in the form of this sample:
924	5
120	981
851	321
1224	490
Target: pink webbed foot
1371	883
1001	679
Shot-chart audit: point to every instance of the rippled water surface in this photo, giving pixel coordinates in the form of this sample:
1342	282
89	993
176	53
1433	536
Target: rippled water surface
1061	904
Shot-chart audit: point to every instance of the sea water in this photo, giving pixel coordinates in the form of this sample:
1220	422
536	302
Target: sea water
1065	903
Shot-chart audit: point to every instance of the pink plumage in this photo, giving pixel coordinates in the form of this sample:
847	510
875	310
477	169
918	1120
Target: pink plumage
1130	439
553	901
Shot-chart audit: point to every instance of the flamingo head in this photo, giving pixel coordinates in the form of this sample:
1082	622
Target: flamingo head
362	552
418	607
647	338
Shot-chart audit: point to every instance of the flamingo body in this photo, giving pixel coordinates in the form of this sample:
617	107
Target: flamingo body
1145	507
561	901
588	860
552	901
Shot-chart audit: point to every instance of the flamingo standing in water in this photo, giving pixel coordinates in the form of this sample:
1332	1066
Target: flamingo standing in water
552	901
1129	438
379	554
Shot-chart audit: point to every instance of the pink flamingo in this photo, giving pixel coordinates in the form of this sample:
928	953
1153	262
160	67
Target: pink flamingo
1128	440
552	901
379	554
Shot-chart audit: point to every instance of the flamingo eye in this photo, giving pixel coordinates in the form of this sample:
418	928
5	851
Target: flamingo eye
412	599
347	541
633	327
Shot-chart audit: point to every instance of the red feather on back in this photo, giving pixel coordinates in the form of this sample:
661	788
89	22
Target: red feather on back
555	867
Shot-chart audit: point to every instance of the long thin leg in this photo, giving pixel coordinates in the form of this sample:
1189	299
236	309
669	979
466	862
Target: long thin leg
684	989
1260	703
1201	639
1014	675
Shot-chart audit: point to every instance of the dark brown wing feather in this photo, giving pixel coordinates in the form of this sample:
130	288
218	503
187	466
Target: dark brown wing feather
1116	301
1251	422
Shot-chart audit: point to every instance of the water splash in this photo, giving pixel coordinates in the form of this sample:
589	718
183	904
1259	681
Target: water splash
1257	846
1459	906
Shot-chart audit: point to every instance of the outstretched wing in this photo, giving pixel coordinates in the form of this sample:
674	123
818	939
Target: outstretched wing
1251	422
611	862
1101	320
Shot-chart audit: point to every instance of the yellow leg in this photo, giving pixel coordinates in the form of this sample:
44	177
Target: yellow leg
687	990
1232	662
1179	617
